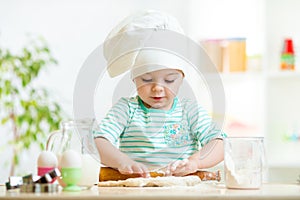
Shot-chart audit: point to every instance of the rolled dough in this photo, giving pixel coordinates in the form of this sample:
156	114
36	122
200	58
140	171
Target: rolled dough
153	182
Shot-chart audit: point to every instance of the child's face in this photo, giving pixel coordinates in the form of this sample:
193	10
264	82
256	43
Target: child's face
157	89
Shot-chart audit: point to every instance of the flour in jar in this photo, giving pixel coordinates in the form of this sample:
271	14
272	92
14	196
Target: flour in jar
248	177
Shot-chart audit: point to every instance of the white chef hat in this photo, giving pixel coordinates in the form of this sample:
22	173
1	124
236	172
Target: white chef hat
124	46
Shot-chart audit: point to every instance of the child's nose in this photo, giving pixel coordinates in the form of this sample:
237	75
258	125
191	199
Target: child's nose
157	87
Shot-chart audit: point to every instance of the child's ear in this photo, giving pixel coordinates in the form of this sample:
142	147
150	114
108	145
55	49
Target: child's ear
181	72
182	77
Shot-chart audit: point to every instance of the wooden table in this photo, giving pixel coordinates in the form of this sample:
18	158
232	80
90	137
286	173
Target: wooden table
203	191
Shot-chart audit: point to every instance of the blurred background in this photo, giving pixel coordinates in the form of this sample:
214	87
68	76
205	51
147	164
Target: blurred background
245	39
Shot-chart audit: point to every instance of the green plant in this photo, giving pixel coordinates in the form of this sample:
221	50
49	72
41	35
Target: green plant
27	111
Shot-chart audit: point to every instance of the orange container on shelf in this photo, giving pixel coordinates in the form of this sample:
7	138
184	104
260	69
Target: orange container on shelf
214	50
228	55
287	55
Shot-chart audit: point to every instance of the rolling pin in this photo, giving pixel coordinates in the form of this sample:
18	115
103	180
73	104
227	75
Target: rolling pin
110	174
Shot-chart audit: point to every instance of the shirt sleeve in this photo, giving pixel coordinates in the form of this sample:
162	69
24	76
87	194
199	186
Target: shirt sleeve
202	126
114	123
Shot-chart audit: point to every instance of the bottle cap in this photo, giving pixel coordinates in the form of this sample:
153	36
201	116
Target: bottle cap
288	46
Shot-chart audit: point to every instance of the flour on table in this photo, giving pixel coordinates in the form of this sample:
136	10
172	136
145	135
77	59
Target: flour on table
153	182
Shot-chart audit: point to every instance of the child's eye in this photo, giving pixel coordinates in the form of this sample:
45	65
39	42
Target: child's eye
169	81
146	80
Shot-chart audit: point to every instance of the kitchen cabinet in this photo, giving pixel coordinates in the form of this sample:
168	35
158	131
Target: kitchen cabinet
270	107
282	87
262	101
267	101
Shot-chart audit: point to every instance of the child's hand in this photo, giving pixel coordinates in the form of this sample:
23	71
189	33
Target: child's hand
183	167
133	167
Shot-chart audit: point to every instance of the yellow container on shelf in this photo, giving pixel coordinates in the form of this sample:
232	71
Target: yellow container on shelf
235	55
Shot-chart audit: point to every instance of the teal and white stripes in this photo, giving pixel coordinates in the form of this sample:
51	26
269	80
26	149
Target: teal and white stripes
157	137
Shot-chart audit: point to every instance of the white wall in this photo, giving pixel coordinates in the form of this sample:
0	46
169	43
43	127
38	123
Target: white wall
230	18
282	19
74	29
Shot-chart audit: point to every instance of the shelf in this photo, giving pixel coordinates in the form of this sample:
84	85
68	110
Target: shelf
241	76
234	76
280	164
284	75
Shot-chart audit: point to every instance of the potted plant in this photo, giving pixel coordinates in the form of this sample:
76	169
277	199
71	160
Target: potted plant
27	111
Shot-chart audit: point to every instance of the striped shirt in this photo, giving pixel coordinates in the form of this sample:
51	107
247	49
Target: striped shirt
157	137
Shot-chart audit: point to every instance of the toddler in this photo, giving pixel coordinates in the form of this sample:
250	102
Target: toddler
155	130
